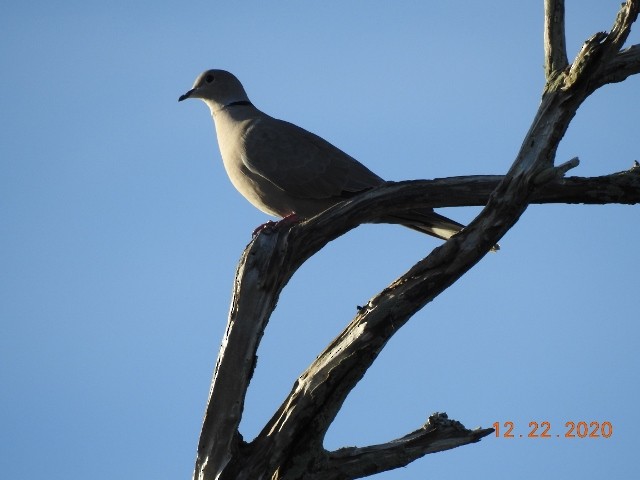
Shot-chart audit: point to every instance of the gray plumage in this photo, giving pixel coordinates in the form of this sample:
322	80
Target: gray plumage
283	169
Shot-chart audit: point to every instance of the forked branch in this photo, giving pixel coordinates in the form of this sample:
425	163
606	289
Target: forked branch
290	445
437	435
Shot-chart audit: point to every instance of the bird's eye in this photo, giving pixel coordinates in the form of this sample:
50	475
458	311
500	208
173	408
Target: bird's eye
208	78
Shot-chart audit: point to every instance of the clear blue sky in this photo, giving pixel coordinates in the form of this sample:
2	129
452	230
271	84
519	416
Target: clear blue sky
119	233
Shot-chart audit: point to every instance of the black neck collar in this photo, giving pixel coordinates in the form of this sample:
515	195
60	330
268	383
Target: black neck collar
239	102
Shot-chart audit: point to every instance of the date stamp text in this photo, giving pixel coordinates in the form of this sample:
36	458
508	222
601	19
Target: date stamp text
543	430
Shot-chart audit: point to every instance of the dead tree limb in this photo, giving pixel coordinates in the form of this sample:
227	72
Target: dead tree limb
291	444
554	39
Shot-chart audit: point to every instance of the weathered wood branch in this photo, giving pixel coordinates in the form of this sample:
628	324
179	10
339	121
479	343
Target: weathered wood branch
474	190
601	61
621	28
219	438
437	435
290	445
273	257
624	64
555	48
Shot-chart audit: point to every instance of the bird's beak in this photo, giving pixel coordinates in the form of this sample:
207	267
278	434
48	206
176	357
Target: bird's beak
186	95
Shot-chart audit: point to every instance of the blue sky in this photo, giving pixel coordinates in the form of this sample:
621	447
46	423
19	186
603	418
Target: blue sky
120	233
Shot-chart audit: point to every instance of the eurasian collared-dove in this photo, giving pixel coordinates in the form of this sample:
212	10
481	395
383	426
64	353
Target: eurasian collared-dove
283	169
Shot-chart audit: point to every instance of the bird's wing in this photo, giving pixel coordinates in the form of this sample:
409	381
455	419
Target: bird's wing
302	164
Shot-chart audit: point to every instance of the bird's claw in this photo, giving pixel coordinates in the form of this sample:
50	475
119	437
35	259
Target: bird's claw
270	225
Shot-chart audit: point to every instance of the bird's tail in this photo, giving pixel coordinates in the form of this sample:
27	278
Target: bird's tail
431	223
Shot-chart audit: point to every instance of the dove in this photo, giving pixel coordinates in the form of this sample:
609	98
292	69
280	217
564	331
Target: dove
285	170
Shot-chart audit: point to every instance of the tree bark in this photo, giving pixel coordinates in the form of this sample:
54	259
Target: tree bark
291	444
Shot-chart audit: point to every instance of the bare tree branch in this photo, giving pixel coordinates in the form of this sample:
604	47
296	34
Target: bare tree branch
437	435
627	15
272	258
586	62
555	48
236	360
274	255
622	188
290	445
600	60
624	64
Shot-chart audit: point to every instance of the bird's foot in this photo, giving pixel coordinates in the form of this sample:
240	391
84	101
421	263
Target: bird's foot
270	225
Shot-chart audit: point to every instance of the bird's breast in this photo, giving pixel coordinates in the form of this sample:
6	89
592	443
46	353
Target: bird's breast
260	192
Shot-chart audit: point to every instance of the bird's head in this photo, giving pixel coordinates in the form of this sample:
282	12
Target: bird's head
217	88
